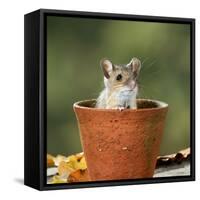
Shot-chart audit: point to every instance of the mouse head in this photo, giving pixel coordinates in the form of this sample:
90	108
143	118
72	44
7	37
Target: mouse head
116	76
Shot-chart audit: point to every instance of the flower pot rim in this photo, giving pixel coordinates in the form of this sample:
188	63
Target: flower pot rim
160	106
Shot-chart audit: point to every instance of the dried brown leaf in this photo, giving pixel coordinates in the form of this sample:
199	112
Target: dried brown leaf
50	160
173	158
78	176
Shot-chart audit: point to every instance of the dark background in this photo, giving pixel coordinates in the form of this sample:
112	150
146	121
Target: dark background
74	49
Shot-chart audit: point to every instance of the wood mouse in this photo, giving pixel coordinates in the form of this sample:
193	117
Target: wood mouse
121	87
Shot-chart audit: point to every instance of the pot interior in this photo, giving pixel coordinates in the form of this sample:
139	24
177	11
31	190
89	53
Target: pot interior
141	104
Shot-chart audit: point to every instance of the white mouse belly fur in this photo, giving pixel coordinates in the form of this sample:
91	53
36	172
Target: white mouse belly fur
120	98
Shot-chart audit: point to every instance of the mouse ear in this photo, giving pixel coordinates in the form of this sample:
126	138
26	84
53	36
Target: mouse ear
135	65
107	67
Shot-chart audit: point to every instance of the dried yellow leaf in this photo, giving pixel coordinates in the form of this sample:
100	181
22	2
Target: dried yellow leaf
59	158
81	164
79	156
58	179
65	168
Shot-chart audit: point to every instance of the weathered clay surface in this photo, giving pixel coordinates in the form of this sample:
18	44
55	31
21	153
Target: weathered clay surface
120	144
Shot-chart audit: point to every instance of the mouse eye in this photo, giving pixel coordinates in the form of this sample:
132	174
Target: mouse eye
119	77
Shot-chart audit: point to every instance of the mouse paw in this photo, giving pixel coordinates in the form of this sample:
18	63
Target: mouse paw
120	108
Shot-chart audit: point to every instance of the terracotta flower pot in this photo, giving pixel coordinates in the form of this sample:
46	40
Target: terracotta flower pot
121	144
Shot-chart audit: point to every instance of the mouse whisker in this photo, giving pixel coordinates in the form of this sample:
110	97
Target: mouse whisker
147	58
147	67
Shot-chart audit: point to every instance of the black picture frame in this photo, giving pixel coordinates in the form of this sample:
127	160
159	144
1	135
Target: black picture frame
35	97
